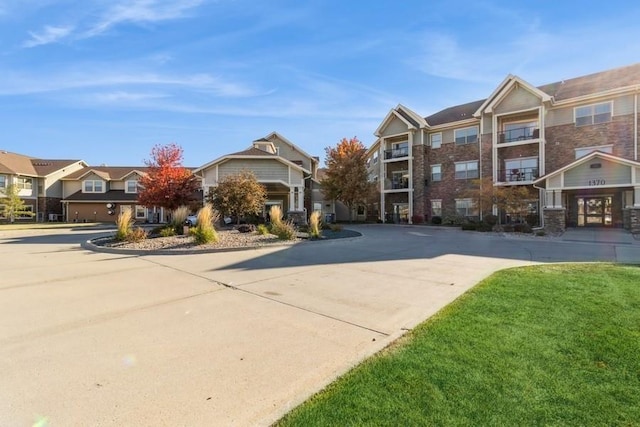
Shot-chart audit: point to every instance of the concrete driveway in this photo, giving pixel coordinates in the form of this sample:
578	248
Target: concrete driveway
234	338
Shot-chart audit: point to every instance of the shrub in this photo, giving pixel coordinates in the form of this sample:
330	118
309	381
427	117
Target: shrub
178	217
469	226
436	220
166	231
246	228
522	228
336	227
453	219
490	219
484	227
541	233
262	229
417	219
315	229
204	232
285	230
137	234
532	219
507	228
124	224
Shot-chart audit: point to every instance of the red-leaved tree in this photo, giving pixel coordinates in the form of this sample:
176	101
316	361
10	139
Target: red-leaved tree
167	183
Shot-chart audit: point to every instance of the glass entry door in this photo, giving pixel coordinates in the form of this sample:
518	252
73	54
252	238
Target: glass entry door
594	211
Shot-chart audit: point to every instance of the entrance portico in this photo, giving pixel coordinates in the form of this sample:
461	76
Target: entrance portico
598	190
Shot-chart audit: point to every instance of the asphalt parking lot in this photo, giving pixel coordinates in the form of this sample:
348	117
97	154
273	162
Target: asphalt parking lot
233	338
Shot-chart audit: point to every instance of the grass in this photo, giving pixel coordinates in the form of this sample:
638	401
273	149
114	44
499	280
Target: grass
285	230
315	225
542	345
204	232
124	223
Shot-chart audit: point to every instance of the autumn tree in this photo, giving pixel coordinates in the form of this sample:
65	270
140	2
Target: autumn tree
513	199
13	205
346	178
167	184
239	195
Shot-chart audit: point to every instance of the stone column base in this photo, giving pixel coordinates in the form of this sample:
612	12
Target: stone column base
634	220
554	220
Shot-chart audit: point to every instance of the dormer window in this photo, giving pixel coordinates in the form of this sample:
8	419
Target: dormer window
93	186
131	186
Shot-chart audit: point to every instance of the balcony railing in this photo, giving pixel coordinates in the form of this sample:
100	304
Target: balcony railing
396	153
517	175
396	185
519	134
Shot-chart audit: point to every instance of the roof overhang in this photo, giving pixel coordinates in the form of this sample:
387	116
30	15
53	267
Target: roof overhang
393	113
224	159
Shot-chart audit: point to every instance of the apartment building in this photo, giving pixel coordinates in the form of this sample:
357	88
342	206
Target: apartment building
572	144
38	182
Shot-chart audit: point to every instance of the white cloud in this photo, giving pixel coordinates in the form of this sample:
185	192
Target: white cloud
141	11
49	35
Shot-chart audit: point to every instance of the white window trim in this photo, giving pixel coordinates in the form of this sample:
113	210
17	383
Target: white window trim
93	185
126	186
440	208
477	168
3	183
471	205
455	131
140	208
24	180
575	109
439	173
431	139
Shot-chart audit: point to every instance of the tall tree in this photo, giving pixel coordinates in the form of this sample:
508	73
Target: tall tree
167	184
239	195
13	205
513	199
346	178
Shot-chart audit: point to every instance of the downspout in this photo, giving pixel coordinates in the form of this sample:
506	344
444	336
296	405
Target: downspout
635	126
480	160
542	191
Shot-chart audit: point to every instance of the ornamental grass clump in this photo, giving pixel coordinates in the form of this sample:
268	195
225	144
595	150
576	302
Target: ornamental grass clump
178	217
315	225
137	234
285	230
204	232
124	224
262	230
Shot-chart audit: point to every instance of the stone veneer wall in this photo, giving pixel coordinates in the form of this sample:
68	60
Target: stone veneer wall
554	220
634	220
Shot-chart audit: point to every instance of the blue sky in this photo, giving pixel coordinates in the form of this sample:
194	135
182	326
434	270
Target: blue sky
105	80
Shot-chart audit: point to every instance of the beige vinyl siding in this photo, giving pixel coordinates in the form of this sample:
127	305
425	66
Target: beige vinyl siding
487	123
555	182
268	170
395	127
622	105
287	152
517	99
116	185
609	173
70	187
296	177
52	184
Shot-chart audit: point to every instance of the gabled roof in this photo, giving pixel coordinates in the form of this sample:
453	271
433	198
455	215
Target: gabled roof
108	173
19	164
108	196
585	159
274	134
504	88
253	151
410	118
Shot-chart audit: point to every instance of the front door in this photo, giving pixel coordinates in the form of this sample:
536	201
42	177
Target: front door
594	211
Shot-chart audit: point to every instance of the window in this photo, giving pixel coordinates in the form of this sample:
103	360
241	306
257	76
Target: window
131	187
593	114
466	135
436	140
436	208
467	170
92	186
522	169
436	172
3	181
399	180
466	207
375	157
141	212
581	152
24	183
399	149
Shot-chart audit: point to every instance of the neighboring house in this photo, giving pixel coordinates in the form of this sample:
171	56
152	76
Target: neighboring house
288	173
38	181
101	193
573	144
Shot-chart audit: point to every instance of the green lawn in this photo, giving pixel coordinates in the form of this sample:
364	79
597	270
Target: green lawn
542	345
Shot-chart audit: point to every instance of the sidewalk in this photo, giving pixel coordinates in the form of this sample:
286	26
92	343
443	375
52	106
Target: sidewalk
600	235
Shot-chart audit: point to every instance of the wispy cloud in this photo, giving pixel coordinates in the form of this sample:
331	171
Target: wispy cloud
141	11
48	35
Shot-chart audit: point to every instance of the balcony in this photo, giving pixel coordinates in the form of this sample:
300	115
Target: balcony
518	134
396	185
396	153
517	175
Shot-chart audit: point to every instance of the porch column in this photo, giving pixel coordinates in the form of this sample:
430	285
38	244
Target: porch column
292	198
636	197
300	198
